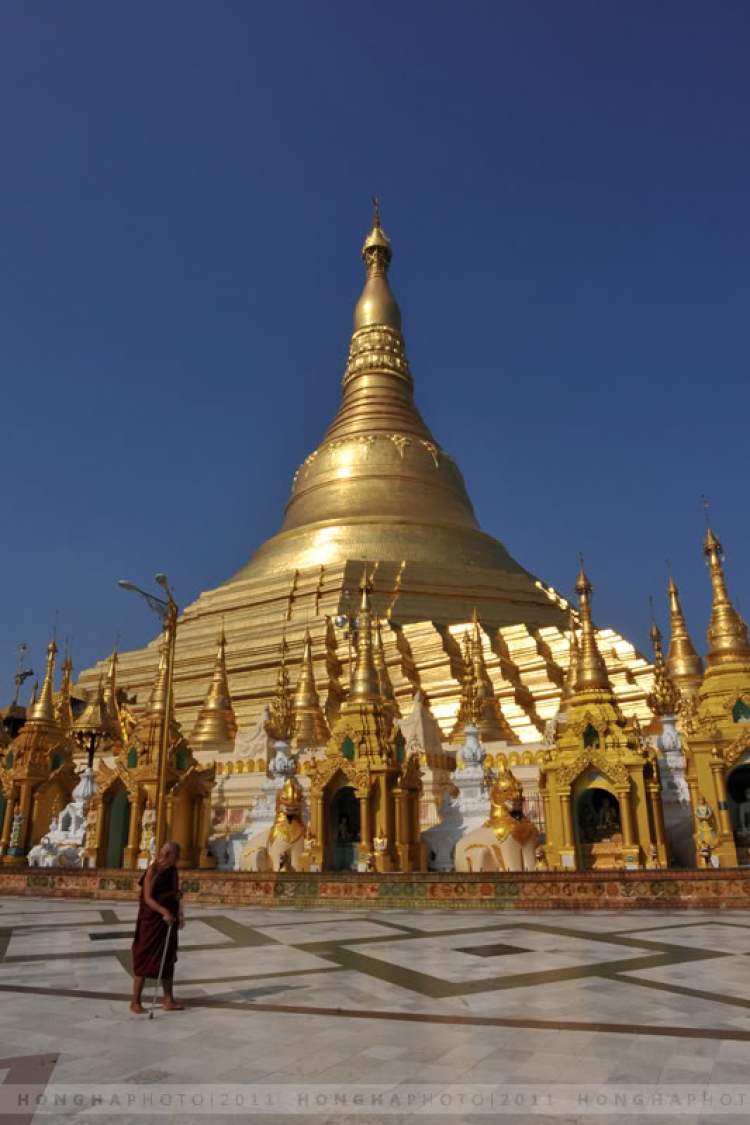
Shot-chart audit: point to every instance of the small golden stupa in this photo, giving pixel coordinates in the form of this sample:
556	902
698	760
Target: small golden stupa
715	724
600	780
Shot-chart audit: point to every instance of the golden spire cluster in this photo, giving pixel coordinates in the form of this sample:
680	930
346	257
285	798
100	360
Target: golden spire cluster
280	724
665	696
470	707
479	704
592	671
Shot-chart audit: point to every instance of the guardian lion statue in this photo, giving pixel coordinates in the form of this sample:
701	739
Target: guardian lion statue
281	848
508	840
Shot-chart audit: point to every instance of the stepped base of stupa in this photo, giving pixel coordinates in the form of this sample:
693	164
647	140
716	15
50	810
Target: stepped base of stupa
424	614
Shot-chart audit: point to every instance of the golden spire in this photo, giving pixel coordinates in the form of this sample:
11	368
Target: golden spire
379	485
43	709
384	680
64	709
365	684
216	724
684	665
310	727
110	688
571	677
665	696
592	671
492	725
377	305
280	724
470	707
157	703
727	632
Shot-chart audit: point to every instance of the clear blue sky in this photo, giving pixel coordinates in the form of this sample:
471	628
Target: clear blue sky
184	194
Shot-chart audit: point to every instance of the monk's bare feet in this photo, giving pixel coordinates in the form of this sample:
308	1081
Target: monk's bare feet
138	1009
173	1006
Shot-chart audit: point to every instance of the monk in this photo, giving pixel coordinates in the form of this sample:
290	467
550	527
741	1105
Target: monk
160	906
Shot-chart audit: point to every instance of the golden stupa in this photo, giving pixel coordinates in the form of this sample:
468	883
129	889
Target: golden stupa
379	491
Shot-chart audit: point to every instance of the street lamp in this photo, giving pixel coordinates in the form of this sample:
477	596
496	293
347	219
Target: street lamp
167	612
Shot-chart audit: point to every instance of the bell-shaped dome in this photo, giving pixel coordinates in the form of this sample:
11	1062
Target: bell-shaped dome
379	486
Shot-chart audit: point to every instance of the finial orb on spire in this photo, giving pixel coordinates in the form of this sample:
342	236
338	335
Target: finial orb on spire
583	585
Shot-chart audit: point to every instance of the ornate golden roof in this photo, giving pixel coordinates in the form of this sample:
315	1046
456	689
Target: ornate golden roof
592	671
379	486
684	665
216	725
95	719
727	632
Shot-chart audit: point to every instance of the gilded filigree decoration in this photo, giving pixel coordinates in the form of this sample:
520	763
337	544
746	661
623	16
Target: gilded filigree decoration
433	450
322	772
730	701
687	710
738	748
615	771
374	348
401	441
280	724
599	720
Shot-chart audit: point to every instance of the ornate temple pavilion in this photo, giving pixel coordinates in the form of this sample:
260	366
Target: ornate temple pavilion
380	491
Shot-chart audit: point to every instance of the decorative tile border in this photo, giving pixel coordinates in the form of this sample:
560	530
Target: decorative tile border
625	890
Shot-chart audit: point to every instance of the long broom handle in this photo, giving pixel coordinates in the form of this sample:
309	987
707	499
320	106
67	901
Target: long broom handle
161	968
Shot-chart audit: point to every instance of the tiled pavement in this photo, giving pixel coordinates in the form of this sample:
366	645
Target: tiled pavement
313	1002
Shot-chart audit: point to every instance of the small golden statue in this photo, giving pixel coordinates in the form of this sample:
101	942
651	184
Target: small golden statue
706	837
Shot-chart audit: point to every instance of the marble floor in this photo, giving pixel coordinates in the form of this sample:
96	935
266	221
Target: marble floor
389	1016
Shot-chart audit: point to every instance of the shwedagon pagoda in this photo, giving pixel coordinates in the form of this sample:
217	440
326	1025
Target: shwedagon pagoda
383	688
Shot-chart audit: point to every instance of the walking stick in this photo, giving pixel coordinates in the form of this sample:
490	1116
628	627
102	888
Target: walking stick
161	969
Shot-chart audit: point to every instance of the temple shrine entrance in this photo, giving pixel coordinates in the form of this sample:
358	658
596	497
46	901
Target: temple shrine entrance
598	830
117	829
738	791
344	829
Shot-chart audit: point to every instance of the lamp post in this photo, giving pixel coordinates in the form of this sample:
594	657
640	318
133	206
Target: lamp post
167	612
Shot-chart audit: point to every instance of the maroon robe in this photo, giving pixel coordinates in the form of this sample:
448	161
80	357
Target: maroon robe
151	929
